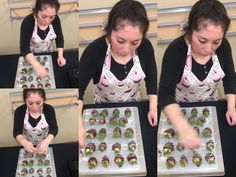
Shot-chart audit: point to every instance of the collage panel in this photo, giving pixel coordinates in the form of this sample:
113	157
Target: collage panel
39	132
118	42
196	41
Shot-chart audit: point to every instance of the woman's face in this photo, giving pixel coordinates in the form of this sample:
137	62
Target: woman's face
205	41
126	40
46	15
34	102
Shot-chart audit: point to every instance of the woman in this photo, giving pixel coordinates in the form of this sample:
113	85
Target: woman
118	61
194	63
35	124
38	31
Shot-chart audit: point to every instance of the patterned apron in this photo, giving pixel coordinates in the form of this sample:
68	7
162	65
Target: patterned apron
110	89
38	133
37	45
191	89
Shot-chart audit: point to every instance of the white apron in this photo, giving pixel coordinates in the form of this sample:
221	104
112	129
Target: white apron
38	133
110	89
37	45
191	89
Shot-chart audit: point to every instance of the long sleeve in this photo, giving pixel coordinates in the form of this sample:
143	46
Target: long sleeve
51	119
19	120
58	30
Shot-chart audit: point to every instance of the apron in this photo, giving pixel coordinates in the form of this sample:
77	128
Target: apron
110	89
37	45
38	133
191	89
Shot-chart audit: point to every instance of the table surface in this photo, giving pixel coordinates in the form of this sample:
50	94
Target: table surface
9	63
64	154
67	152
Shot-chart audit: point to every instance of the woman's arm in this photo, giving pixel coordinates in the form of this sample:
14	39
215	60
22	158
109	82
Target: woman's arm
152	113
81	133
187	135
231	110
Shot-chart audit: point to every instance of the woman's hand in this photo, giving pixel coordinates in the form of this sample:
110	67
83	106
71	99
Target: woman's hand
61	61
41	71
188	136
29	147
42	147
231	116
152	117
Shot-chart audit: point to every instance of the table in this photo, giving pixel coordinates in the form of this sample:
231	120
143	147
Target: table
64	153
227	135
9	63
149	134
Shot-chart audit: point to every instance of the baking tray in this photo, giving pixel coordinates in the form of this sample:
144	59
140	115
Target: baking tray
127	169
191	169
25	70
22	156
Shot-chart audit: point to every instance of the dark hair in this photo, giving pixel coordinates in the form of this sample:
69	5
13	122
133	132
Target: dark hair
127	10
204	11
39	4
39	91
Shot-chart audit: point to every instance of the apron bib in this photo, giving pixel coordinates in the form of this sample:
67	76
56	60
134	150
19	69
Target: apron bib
191	89
37	45
38	133
110	89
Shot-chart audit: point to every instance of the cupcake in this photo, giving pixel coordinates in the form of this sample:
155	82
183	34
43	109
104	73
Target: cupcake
207	132
24	172
92	162
170	162
200	121
90	148
31	163
40	162
197	160
40	85
132	159
205	112
180	147
23	79
183	111
102	146
23	71
210	158
48	85
116	112
104	113
94	113
91	133
40	171
194	112
122	122
132	146
24	163
102	134
191	120
127	112
92	121
105	161
31	171
183	161
49	170
30	71
169	133
113	121
168	148
102	120
46	162
30	78
119	160
116	147
129	133
210	145
116	132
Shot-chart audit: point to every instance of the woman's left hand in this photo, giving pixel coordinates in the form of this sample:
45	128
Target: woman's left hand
42	147
61	61
231	116
152	117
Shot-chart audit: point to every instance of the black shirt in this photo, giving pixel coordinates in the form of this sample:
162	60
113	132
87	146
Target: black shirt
50	117
92	59
173	64
27	28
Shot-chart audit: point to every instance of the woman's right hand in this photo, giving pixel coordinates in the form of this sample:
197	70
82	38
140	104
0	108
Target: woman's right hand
29	147
41	71
188	136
